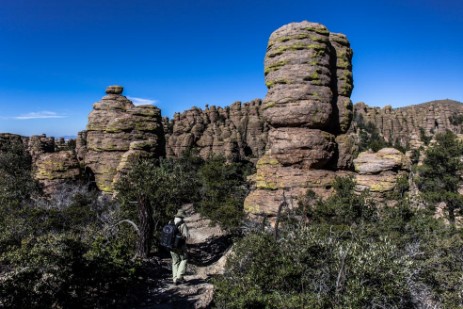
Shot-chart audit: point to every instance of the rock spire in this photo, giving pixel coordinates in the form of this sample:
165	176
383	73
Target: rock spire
308	72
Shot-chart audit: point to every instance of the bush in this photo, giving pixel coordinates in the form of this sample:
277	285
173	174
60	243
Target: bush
223	190
439	176
351	255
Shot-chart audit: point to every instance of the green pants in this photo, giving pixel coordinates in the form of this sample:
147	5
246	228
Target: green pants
179	263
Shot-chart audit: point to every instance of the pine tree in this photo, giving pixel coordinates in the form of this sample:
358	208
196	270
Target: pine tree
439	176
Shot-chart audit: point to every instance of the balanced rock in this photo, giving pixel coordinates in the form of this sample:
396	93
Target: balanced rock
301	73
118	131
115	89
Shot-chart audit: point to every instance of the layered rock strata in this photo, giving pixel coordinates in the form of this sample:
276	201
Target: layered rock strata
56	168
118	132
405	126
238	132
308	73
378	172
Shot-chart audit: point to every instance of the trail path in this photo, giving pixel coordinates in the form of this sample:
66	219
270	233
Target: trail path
196	292
208	248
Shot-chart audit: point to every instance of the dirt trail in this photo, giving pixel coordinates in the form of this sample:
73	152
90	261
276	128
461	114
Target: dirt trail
208	248
195	292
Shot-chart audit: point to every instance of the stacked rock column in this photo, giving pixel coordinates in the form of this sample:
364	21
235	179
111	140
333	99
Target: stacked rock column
118	133
309	79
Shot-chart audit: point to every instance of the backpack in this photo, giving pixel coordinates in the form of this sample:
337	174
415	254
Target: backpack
171	238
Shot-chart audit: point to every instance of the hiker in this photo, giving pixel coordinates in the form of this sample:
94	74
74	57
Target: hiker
179	254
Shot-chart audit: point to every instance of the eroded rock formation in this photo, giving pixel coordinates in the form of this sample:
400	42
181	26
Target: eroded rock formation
55	168
405	126
238	132
378	172
118	131
308	73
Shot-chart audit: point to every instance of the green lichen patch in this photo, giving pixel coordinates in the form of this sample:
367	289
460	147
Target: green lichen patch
342	63
275	66
268	105
266	185
319	30
298	46
269	84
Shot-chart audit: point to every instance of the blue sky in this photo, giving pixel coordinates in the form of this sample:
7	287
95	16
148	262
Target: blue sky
57	57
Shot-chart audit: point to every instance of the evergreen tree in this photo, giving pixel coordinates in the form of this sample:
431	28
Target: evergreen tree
439	176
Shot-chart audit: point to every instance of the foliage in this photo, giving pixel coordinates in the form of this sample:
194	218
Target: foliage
60	270
439	176
424	137
456	119
378	257
16	182
355	208
62	252
156	190
223	190
64	256
369	135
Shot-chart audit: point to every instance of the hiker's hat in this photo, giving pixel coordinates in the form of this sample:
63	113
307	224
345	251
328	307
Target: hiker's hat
180	214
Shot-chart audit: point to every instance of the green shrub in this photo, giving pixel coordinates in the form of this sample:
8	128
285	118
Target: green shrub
439	176
350	255
223	190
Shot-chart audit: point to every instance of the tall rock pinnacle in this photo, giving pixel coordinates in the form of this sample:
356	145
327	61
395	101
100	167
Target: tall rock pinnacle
308	72
117	132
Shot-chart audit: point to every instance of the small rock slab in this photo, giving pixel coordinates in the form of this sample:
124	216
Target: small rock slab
114	89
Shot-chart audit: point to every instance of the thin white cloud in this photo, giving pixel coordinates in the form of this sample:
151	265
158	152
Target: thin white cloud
142	101
39	115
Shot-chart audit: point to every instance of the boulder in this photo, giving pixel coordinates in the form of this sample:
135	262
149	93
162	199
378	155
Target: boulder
384	160
378	172
56	168
115	89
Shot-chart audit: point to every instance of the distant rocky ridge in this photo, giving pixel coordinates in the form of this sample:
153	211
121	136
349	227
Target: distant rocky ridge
405	126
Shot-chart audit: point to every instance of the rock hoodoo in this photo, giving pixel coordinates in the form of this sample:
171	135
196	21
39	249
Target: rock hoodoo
238	132
118	131
308	73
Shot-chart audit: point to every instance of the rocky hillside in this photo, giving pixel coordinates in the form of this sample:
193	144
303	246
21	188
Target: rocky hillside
409	126
238	131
